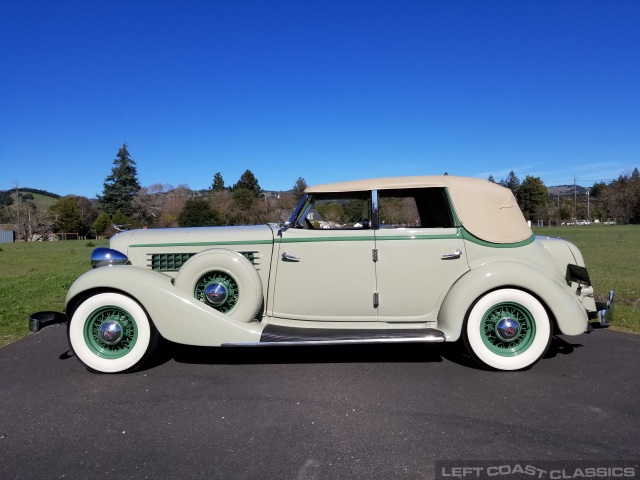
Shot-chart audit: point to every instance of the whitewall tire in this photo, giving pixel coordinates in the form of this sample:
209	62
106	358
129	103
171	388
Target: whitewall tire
507	329
110	332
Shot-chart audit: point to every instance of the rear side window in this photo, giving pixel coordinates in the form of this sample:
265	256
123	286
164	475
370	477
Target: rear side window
415	208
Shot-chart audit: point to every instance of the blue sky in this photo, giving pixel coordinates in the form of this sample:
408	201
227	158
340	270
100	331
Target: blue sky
326	90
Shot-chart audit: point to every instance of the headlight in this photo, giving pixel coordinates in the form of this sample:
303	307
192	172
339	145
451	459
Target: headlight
105	257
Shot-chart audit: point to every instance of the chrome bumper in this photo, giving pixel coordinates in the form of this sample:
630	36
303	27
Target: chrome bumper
605	311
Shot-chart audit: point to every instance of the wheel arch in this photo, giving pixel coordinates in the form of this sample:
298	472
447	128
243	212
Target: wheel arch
565	311
73	303
550	314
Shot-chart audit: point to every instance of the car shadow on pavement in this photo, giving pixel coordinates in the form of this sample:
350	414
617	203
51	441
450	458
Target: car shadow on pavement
358	353
379	353
559	346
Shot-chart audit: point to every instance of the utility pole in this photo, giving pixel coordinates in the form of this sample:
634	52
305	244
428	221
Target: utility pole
588	211
575	200
18	209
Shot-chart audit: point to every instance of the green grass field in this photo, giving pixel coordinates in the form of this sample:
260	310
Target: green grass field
36	276
612	255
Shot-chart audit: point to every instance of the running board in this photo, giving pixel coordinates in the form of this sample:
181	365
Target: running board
278	335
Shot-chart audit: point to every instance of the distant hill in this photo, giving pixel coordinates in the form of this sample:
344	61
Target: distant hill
41	198
566	190
42	201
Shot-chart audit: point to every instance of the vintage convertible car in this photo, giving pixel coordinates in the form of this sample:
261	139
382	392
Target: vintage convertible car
409	259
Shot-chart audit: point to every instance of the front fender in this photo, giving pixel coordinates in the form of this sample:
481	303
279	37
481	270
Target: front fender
569	313
178	316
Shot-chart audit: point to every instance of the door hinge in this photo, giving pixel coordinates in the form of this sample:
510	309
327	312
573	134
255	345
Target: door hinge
374	254
376	300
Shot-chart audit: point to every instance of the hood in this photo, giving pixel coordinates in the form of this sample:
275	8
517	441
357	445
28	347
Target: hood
194	236
139	245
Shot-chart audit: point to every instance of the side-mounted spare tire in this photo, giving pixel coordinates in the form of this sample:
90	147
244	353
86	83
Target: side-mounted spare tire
225	281
110	333
507	329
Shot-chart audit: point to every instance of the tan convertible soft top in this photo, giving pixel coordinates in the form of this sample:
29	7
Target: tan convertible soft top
487	210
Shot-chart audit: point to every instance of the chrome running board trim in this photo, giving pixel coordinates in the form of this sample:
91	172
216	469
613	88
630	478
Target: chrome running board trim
274	335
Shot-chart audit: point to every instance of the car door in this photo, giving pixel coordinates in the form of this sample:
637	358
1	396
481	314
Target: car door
420	254
325	271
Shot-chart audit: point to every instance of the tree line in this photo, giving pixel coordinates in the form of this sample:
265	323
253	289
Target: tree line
617	201
124	204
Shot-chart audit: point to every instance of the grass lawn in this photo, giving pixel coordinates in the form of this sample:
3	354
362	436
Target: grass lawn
612	255
36	276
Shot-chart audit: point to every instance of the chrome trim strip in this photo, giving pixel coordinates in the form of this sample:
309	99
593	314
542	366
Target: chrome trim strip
375	214
294	215
425	339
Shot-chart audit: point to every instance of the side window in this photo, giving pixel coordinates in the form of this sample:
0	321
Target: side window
415	208
341	211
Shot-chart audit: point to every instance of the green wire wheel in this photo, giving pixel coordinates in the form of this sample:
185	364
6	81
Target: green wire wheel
218	290
508	329
110	332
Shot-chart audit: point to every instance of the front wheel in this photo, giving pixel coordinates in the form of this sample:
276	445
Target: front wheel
110	332
507	329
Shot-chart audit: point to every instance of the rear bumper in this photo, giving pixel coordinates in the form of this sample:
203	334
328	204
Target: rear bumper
604	312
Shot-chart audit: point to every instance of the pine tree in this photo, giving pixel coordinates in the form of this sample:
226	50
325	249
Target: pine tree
512	182
218	183
121	186
248	181
298	188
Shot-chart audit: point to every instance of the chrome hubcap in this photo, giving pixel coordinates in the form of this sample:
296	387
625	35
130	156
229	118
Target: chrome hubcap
110	332
215	294
507	329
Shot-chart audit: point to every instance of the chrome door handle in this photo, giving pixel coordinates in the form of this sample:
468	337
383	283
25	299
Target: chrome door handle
451	256
290	258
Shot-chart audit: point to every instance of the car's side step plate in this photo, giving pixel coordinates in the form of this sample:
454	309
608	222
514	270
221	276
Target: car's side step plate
279	335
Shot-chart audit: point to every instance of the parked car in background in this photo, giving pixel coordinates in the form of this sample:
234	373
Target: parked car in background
411	259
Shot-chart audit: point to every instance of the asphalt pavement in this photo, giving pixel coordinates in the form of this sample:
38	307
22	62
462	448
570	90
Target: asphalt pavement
367	411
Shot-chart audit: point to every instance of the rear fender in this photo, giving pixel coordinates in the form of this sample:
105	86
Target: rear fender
554	294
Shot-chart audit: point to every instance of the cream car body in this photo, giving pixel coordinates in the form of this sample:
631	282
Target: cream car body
465	265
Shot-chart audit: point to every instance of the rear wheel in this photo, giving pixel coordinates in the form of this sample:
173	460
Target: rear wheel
507	329
110	332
